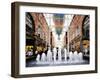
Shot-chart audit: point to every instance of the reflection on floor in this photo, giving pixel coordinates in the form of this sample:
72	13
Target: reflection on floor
57	63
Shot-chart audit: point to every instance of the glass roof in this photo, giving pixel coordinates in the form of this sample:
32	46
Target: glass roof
58	33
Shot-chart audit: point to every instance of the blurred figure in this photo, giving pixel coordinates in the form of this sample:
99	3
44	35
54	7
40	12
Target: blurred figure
29	53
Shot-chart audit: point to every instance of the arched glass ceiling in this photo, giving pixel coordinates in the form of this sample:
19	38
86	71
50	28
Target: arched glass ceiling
58	37
67	20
